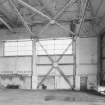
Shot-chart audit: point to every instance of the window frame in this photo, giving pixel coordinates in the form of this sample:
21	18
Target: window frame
43	54
55	45
22	40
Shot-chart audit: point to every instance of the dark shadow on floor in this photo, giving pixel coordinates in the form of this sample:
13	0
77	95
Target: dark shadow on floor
93	92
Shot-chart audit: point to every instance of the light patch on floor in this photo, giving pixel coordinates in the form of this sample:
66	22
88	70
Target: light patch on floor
48	97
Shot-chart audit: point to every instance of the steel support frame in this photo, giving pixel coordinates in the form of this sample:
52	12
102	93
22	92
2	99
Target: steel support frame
50	22
34	74
74	67
99	65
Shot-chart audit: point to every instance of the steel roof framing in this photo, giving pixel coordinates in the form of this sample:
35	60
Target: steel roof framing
51	20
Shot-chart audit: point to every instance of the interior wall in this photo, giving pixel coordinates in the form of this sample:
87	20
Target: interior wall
14	70
86	61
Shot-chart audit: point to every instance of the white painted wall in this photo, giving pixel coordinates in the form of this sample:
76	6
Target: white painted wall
19	66
86	60
15	65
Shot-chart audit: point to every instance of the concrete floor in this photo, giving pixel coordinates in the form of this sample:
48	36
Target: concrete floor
48	97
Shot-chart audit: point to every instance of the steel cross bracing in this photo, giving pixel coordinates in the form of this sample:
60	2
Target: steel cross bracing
55	64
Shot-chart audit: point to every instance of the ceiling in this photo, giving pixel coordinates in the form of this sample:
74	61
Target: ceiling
11	17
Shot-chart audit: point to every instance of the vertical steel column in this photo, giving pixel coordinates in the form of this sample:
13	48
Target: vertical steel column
74	66
34	67
99	68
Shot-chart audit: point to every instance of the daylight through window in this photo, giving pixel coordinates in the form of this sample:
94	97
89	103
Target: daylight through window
24	47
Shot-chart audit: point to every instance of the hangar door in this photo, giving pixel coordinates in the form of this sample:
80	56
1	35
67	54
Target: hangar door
55	63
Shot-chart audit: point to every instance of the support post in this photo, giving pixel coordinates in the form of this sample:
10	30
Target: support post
74	66
34	66
99	62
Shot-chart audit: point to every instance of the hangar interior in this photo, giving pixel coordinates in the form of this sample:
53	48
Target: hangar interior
56	43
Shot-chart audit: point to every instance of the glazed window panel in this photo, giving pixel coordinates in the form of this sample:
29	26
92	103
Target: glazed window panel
17	48
54	46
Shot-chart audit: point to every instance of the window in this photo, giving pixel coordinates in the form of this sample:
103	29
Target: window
54	46
24	47
15	48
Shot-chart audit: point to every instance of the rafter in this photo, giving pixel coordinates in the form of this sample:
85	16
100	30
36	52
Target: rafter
34	9
22	19
6	24
83	16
